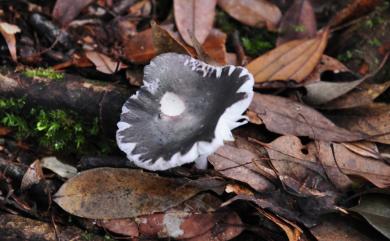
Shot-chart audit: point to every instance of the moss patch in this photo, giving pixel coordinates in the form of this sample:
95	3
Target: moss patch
58	130
48	73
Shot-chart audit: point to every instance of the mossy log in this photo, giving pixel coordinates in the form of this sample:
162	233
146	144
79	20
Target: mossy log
89	98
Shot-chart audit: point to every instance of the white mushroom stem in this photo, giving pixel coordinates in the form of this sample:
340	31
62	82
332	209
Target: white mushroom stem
201	162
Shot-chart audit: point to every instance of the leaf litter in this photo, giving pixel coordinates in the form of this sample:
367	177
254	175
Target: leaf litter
319	145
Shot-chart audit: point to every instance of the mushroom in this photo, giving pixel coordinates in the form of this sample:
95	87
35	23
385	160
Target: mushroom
184	111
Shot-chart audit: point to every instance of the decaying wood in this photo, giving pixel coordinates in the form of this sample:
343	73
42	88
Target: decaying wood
89	98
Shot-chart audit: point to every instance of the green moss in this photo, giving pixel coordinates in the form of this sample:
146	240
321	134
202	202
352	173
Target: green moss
300	28
255	46
344	57
48	73
374	42
57	130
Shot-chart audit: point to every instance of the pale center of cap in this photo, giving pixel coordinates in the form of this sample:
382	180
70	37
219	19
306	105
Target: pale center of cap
171	104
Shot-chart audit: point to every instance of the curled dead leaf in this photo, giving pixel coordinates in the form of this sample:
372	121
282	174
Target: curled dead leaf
104	63
253	13
8	31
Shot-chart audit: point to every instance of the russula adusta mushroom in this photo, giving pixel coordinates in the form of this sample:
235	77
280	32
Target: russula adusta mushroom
184	111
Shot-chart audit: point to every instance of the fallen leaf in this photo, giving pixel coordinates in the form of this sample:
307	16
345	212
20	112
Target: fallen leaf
139	49
165	42
254	13
376	210
227	228
298	22
59	168
33	175
215	46
297	166
292	231
326	157
322	92
104	63
8	31
123	226
128	192
281	204
338	228
287	117
363	94
292	60
65	11
350	163
196	16
191	219
364	148
354	9
372	120
242	165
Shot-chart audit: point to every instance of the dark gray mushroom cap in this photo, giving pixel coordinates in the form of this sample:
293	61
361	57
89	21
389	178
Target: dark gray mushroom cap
186	109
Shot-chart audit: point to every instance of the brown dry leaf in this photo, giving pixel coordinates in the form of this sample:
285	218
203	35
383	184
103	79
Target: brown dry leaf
165	42
287	117
65	11
326	157
190	220
214	46
196	16
372	120
139	49
364	94
297	166
354	9
228	227
350	163
104	63
8	31
33	175
255	13
242	165
292	231
293	60
364	148
337	228
128	193
123	226
298	22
